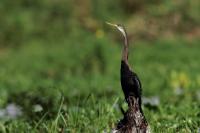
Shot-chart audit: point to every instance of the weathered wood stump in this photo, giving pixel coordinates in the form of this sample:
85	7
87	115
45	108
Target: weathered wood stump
134	120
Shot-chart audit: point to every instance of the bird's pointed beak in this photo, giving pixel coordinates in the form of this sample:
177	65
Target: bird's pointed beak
111	24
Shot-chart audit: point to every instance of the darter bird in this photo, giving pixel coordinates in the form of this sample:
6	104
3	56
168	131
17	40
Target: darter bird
134	120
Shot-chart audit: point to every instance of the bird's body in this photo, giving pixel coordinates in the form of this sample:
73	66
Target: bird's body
130	83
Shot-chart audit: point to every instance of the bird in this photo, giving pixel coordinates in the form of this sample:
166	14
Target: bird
130	82
134	120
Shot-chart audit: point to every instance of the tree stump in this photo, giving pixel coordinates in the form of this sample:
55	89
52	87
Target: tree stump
134	120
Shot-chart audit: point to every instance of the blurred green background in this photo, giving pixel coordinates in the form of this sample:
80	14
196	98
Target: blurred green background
60	62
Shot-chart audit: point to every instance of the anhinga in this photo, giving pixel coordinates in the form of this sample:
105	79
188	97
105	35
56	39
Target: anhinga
134	120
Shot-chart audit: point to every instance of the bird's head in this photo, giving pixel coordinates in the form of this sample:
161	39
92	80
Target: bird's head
119	27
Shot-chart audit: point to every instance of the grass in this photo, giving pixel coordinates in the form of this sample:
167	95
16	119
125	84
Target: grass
77	85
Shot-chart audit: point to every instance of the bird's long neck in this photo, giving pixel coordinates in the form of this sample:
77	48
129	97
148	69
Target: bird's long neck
125	49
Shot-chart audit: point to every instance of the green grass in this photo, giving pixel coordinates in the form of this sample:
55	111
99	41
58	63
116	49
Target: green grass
57	64
78	85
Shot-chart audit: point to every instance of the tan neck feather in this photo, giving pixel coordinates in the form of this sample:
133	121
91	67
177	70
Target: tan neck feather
125	50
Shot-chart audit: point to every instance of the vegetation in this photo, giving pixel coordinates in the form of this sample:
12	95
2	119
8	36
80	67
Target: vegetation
60	66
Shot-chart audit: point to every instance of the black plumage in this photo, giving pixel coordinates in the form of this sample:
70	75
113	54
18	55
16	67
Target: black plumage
130	83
